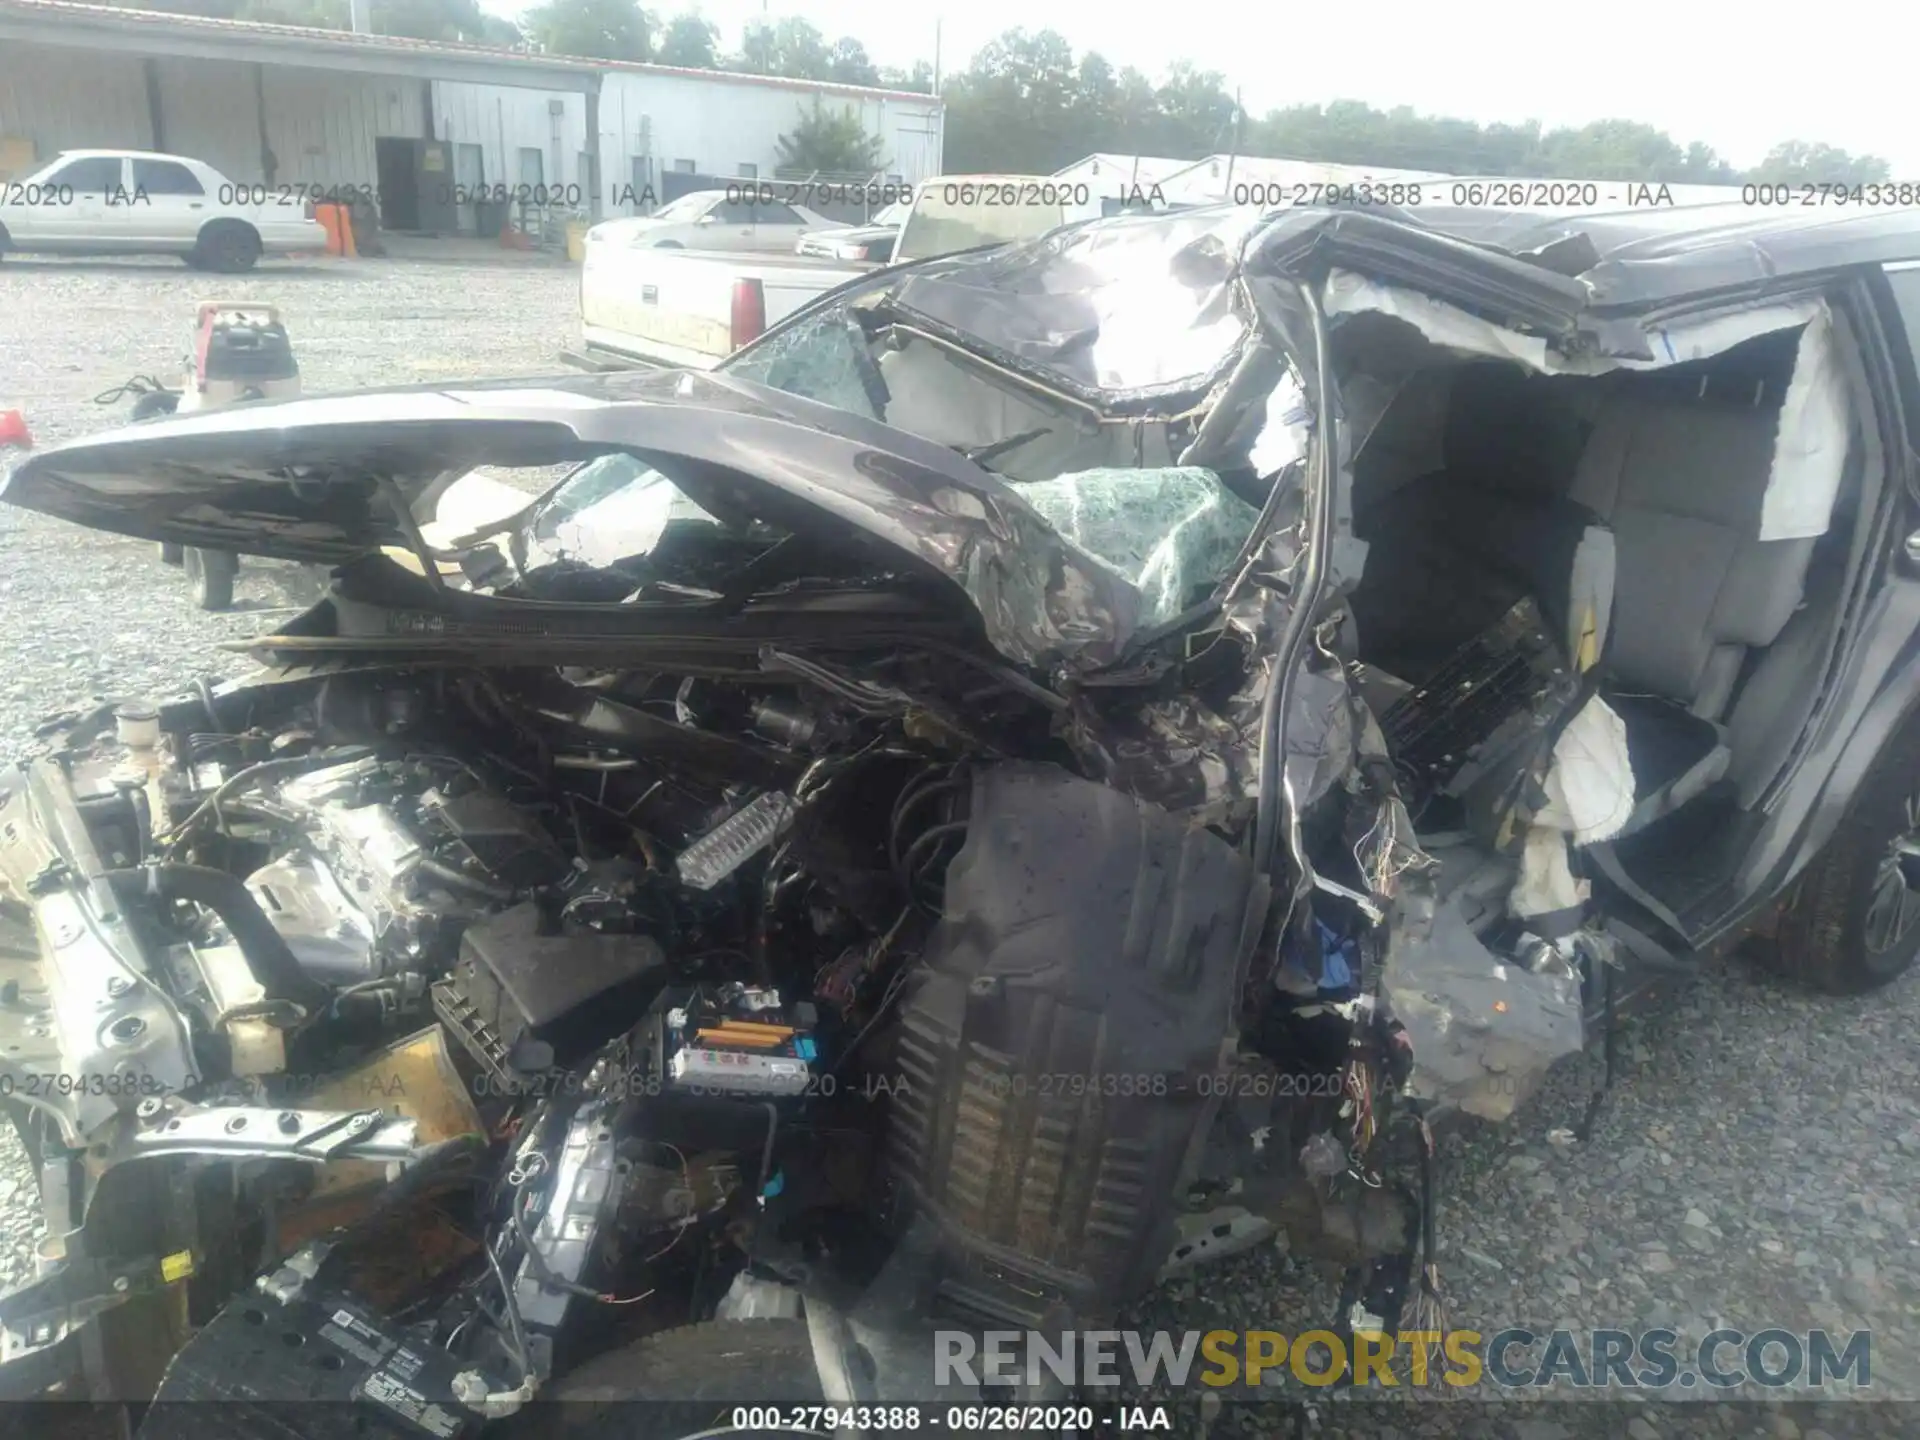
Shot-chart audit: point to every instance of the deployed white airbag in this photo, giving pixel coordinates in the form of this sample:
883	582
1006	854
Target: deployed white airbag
1810	448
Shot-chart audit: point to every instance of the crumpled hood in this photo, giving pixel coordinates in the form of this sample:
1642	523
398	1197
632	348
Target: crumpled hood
310	480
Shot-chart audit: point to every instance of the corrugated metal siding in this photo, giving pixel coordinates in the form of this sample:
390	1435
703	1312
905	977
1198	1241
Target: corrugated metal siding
207	111
1109	176
503	121
723	125
913	134
66	99
321	126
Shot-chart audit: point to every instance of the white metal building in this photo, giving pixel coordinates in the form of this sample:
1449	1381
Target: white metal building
655	120
1112	176
277	105
363	114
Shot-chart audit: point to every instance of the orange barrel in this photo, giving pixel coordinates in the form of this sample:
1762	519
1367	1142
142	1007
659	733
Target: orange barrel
338	222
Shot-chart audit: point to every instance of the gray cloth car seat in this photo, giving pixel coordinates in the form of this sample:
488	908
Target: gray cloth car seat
1681	483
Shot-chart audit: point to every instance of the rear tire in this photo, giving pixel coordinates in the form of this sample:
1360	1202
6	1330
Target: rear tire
171	554
1854	921
211	574
228	247
690	1379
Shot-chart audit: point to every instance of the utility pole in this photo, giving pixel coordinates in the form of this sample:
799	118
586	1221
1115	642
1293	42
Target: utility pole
936	56
1234	149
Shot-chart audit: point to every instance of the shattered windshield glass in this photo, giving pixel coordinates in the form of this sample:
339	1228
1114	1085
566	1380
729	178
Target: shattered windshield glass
825	359
1171	532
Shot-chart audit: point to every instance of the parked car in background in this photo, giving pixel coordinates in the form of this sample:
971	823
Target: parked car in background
638	306
715	220
136	202
873	241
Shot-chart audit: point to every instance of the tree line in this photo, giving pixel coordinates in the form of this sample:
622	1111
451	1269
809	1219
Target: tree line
1026	104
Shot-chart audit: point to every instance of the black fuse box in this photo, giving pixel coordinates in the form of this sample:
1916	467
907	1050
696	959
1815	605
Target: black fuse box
522	1001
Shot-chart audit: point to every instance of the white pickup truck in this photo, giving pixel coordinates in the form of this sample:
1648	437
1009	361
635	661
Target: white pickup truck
645	305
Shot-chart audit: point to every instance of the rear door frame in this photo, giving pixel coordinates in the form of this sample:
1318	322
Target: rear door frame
1876	668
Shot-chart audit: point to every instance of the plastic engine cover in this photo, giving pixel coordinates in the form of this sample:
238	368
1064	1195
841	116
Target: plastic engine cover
1084	976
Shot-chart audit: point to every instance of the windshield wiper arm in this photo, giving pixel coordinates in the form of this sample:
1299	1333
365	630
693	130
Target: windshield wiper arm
980	454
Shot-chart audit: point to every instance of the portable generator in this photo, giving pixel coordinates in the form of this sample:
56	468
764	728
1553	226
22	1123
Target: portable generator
240	352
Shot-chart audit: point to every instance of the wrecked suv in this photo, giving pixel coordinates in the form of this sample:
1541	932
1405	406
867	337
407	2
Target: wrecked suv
1045	744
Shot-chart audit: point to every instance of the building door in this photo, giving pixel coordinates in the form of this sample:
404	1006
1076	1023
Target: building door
533	180
469	178
393	156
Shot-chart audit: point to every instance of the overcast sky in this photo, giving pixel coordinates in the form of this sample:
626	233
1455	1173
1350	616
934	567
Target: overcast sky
1740	78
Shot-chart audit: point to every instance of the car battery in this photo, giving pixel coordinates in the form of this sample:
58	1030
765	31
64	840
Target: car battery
739	1041
315	1367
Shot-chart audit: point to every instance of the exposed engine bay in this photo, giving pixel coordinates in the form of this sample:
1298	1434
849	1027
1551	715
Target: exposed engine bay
459	986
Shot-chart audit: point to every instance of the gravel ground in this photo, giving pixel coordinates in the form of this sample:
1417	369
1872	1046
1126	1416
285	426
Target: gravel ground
83	613
1754	1165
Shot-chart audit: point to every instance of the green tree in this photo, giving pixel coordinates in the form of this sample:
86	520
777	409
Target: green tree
1095	115
919	78
848	63
1349	132
441	20
1197	112
791	47
597	29
1702	167
690	41
1798	163
1014	108
316	14
830	140
415	19
1611	150
1138	127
